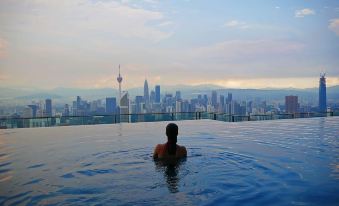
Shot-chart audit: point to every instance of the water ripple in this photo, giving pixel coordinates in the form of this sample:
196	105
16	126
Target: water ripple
35	166
80	191
249	163
96	172
33	181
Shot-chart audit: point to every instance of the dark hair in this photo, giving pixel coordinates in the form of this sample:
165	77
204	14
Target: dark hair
172	133
171	130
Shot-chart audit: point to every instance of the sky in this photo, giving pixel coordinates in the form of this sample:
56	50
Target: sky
231	43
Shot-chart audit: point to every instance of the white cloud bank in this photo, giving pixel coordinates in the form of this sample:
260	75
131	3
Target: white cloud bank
71	18
304	12
334	26
236	24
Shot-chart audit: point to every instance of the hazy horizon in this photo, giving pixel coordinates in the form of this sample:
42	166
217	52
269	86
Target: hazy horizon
175	86
252	45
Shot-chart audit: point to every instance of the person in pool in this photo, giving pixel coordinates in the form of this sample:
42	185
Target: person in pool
170	150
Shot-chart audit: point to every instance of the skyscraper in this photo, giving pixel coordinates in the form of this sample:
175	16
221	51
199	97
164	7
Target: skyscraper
119	79
124	108
111	105
322	93
48	107
66	110
291	104
205	100
146	95
229	98
178	106
222	100
177	95
214	99
27	112
139	104
34	109
157	93
152	97
222	103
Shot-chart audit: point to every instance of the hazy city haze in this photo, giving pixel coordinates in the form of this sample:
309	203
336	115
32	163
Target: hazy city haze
239	44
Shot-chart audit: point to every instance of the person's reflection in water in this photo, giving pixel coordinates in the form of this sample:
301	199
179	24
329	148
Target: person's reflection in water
171	172
169	156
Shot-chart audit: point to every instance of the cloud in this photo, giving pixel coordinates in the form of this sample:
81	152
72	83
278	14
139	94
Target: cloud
236	24
165	23
242	49
304	12
334	26
71	18
151	1
3	47
285	82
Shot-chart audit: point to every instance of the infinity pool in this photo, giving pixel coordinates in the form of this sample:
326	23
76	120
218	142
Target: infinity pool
281	162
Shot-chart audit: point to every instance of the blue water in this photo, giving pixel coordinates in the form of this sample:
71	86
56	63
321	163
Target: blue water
281	162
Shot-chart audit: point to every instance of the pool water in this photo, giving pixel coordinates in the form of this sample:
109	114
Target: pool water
280	162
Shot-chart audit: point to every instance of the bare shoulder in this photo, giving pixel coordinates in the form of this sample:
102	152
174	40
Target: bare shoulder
183	150
156	151
157	147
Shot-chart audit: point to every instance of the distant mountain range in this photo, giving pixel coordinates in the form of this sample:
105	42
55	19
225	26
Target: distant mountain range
187	91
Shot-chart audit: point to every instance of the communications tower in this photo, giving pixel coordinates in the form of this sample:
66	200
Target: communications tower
119	79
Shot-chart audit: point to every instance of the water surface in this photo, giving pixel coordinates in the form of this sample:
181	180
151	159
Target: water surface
281	162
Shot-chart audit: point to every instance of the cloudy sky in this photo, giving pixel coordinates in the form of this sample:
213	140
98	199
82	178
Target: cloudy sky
232	43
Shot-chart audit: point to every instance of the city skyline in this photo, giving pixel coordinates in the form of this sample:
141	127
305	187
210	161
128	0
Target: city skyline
230	44
153	102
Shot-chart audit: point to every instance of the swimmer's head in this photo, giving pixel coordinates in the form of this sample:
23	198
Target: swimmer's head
172	132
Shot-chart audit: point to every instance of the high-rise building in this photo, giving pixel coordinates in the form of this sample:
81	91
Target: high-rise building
78	104
152	97
93	106
178	106
111	104
34	109
222	100
27	112
235	108
48	107
146	95
205	100
124	107
66	110
222	104
229	98
139	104
177	95
214	99
157	93
322	93
249	107
291	104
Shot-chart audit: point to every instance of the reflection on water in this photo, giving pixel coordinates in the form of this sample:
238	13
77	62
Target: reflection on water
171	169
